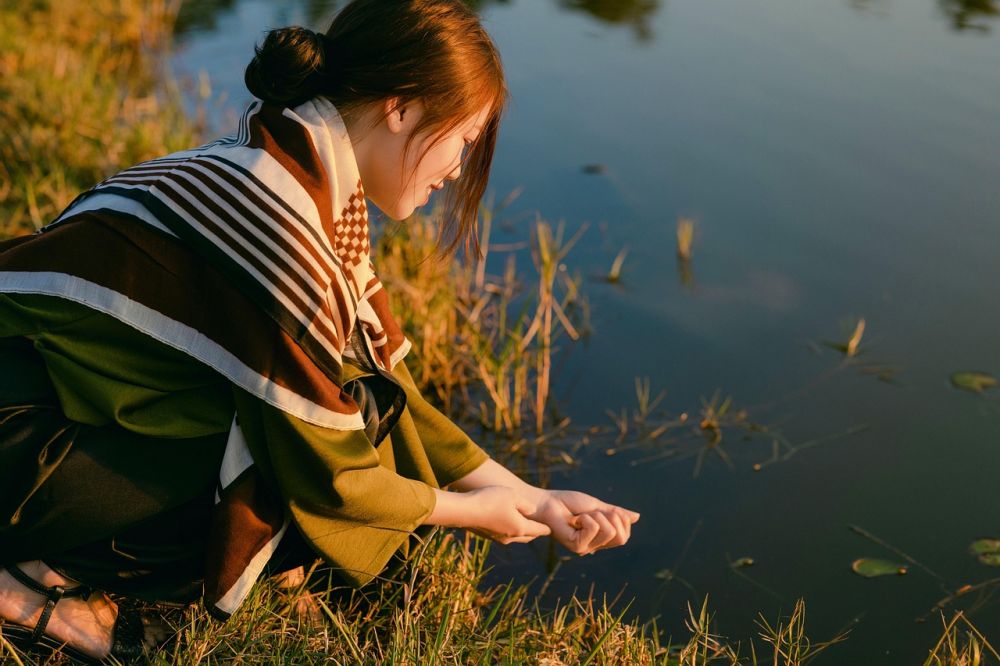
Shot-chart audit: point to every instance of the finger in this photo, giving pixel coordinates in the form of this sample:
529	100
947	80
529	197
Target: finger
588	530
533	528
620	534
606	533
626	523
633	516
565	531
518	539
492	536
626	519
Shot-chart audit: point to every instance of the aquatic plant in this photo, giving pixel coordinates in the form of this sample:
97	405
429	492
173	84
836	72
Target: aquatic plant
685	238
976	382
615	272
850	348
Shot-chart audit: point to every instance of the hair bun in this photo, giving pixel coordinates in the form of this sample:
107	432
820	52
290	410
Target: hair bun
288	68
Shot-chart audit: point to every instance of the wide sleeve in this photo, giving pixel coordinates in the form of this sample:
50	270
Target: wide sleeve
450	451
355	511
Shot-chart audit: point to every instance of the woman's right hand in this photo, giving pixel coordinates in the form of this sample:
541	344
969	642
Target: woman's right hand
500	514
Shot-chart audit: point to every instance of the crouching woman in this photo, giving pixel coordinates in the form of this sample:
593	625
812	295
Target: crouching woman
203	381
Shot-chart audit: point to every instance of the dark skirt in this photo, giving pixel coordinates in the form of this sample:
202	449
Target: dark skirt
121	512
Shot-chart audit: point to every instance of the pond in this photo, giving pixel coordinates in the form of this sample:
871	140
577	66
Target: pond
840	160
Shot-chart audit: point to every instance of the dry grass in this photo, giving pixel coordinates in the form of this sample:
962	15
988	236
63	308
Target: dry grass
81	96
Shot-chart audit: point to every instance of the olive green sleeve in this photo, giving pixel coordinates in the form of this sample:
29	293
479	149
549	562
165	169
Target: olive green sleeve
451	452
354	511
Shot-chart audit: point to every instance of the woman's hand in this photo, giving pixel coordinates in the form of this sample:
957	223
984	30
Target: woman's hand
496	512
584	524
502	515
581	523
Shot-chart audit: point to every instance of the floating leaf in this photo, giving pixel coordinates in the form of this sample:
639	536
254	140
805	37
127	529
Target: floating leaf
742	562
977	382
991	559
987	550
980	546
870	567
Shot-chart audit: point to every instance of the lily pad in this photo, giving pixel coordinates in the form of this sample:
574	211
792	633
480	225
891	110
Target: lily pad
980	546
870	567
987	551
977	382
991	559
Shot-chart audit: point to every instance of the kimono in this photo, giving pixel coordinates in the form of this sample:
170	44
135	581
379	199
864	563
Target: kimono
205	334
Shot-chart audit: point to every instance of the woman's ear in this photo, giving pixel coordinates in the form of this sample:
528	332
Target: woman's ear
395	115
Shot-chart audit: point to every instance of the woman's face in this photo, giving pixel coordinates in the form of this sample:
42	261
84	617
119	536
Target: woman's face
400	181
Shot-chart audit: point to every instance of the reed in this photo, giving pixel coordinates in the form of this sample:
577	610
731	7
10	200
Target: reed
615	272
486	342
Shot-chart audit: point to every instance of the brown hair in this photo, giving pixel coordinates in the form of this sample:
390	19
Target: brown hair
435	51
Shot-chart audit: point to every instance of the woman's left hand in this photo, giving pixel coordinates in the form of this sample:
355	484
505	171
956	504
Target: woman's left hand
582	523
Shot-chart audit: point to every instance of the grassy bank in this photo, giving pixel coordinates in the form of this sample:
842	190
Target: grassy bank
81	96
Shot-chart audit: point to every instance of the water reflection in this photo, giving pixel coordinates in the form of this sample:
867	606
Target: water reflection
200	16
975	15
971	14
203	15
636	13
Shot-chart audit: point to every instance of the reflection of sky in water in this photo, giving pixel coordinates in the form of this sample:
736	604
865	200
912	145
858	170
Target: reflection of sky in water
840	159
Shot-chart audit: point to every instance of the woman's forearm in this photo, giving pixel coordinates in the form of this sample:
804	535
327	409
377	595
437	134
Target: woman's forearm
451	510
492	473
494	511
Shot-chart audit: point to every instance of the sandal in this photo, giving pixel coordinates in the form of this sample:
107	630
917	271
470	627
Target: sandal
126	635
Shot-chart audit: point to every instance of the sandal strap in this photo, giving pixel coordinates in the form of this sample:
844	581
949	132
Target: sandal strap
52	596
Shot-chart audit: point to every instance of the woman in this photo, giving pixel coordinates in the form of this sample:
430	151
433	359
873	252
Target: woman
203	378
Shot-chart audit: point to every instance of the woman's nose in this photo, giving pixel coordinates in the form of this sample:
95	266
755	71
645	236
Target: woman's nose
455	172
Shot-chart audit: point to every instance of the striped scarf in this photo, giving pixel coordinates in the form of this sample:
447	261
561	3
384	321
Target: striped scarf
251	254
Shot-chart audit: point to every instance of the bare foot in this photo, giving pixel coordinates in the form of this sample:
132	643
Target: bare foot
83	623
